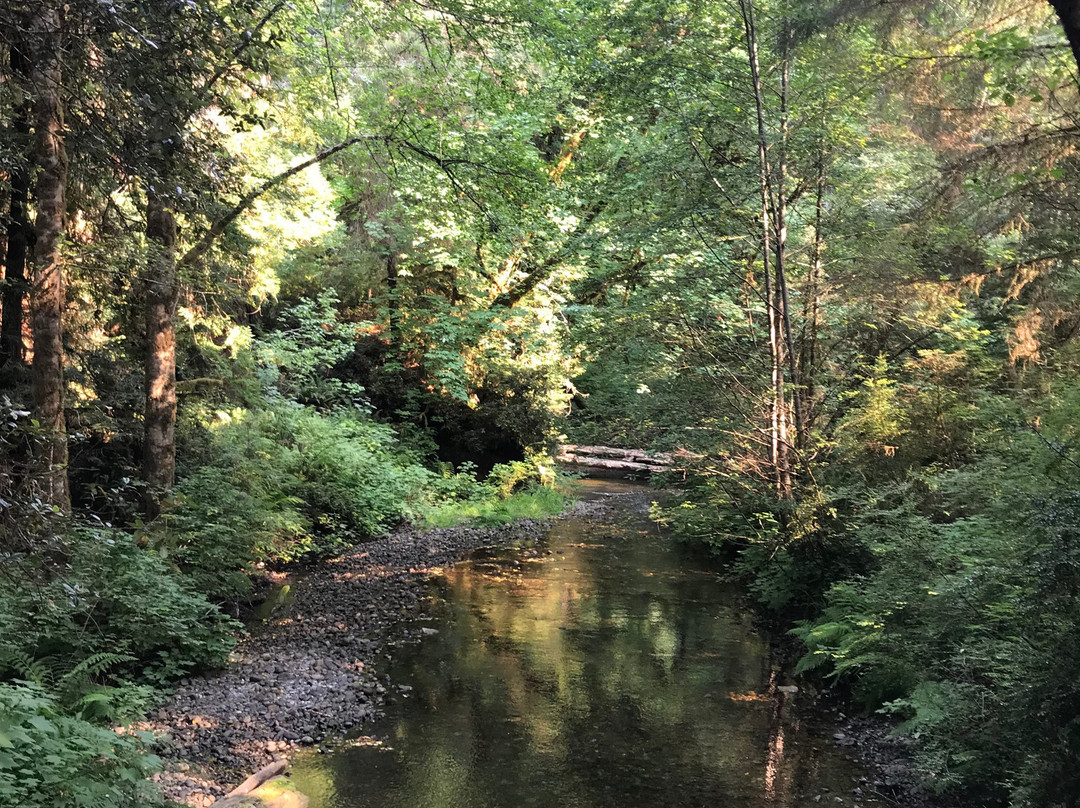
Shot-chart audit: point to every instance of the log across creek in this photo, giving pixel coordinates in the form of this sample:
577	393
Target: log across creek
611	458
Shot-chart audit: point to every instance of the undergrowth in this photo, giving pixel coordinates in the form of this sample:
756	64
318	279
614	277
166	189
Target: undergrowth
533	503
943	594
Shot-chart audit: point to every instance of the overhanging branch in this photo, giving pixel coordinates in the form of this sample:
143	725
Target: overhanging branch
203	245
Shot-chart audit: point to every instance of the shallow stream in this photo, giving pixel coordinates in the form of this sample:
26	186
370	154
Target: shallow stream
605	668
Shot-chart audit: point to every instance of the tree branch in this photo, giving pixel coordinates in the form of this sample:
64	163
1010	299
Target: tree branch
510	297
203	245
248	37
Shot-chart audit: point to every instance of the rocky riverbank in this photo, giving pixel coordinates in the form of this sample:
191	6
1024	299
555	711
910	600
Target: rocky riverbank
309	673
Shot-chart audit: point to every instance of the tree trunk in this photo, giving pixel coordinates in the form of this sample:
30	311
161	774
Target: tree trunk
47	290
1068	12
812	304
162	287
161	290
159	460
781	251
18	227
393	313
778	438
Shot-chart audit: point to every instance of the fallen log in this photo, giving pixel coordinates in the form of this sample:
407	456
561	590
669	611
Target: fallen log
630	455
260	777
614	465
612	458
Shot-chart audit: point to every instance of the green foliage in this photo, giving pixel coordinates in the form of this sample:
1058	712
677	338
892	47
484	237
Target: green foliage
295	360
966	624
875	424
282	483
49	759
508	478
531	503
79	689
520	490
551	225
91	625
111	597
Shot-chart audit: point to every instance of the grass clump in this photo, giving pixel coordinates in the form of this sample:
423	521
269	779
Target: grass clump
534	503
527	489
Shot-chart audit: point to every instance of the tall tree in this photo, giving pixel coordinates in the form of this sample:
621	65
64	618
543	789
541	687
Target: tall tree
199	51
47	289
160	294
780	204
779	448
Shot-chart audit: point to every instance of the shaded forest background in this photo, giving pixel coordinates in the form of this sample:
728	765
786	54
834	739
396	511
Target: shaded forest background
279	277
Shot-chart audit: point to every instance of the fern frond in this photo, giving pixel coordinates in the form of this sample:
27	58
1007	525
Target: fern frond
24	666
93	665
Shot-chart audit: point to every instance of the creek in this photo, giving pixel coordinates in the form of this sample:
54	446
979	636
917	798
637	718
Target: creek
607	667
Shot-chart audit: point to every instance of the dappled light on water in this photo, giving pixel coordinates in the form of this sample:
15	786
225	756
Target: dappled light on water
608	670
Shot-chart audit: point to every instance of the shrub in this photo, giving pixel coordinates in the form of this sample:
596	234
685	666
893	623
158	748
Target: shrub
967	627
284	483
106	594
523	489
52	760
296	362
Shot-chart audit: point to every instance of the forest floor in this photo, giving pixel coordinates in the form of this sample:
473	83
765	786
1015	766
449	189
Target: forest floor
310	672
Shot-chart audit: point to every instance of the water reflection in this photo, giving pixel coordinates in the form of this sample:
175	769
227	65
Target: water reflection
612	673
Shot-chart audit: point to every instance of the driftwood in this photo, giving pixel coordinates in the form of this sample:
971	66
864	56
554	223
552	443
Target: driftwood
614	465
615	459
261	791
633	455
260	777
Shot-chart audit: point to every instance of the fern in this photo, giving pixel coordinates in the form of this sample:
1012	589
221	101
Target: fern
21	665
56	674
77	688
94	665
49	759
